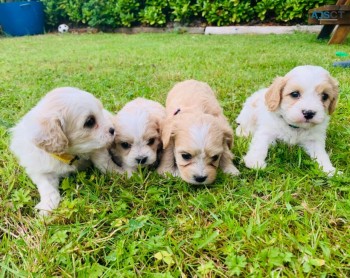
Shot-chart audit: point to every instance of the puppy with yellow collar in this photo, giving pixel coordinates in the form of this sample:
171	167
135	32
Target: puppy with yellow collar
58	137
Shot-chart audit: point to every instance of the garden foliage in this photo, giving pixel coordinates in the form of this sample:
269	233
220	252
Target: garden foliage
127	13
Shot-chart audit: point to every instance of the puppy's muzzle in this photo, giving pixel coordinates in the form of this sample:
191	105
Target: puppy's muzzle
141	160
308	114
200	179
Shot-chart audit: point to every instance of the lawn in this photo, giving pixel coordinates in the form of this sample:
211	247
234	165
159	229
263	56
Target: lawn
288	220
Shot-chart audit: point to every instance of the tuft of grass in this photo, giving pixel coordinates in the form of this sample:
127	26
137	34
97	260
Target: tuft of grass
288	220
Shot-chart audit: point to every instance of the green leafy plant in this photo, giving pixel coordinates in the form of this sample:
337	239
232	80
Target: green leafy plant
235	263
154	13
265	8
289	10
183	11
296	10
225	12
128	11
100	13
73	9
54	14
116	13
20	198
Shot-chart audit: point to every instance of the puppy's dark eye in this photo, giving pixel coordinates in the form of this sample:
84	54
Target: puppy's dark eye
295	94
324	96
151	141
186	156
214	158
125	145
90	122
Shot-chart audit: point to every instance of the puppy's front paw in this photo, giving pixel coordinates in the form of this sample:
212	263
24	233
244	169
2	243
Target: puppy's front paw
44	209
331	171
129	173
175	173
43	213
163	171
253	163
231	169
45	206
240	132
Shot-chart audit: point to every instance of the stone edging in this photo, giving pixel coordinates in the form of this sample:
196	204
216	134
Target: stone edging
137	30
210	30
235	30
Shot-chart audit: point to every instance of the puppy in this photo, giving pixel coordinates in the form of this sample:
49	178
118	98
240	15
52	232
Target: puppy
294	109
57	137
196	137
137	142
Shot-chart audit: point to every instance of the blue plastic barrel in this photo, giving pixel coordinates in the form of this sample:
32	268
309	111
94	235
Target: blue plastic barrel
22	18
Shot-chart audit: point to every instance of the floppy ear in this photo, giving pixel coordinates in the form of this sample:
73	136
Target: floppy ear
158	120
167	132
273	94
334	96
228	137
114	155
227	132
51	137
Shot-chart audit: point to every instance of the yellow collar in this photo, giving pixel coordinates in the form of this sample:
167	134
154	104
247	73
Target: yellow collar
65	158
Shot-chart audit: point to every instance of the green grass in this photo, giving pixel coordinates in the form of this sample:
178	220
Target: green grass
289	220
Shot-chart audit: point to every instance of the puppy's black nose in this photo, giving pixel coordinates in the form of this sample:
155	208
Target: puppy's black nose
141	160
308	114
111	131
200	178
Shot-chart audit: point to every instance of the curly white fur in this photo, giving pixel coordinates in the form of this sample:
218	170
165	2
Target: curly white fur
137	141
67	122
294	109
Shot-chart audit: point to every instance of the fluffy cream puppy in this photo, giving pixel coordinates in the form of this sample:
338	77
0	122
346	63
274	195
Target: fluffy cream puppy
137	141
196	136
57	137
294	109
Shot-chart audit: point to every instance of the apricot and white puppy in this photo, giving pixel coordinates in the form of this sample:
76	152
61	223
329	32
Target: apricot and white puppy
196	137
294	109
57	137
137	141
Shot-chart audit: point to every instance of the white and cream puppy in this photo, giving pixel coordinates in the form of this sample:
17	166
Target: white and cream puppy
57	137
197	138
137	141
294	109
